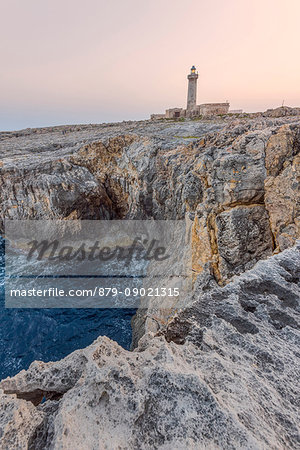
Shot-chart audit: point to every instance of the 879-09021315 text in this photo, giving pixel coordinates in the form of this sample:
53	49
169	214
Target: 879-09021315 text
92	264
96	292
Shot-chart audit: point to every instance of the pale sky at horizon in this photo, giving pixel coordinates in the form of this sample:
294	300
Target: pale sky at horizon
93	61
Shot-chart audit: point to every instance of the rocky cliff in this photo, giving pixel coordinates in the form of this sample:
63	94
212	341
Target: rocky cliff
237	180
221	372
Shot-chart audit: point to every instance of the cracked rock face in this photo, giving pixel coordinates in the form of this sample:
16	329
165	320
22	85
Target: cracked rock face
244	170
223	374
244	236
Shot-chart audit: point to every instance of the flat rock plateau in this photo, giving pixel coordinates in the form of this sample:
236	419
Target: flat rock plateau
218	370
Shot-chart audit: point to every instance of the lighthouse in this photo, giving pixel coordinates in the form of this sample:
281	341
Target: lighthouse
192	89
192	109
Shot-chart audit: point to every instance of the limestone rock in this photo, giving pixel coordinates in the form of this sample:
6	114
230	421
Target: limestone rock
235	179
230	384
243	237
18	421
282	185
160	170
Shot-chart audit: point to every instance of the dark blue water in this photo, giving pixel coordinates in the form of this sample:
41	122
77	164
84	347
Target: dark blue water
50	334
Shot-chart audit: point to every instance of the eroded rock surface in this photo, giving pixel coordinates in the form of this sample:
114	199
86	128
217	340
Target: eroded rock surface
162	171
242	172
236	180
222	374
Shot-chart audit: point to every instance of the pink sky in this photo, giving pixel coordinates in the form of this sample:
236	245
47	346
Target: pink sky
75	61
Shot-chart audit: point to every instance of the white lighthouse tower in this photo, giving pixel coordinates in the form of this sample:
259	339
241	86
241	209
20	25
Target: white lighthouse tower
192	89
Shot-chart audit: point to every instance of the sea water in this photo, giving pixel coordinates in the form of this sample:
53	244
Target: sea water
51	334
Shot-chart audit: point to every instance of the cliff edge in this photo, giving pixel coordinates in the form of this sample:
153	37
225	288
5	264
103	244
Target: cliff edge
220	372
222	375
